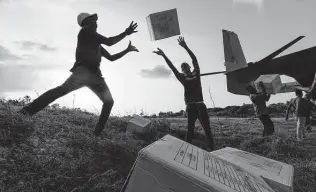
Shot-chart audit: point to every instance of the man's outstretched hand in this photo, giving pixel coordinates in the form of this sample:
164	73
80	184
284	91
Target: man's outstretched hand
131	28
159	52
131	48
181	41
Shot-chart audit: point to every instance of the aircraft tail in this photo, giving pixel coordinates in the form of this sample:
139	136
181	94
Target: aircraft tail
234	55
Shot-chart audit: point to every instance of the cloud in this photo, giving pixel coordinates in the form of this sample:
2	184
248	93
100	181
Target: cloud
17	79
6	55
16	76
34	45
160	71
258	3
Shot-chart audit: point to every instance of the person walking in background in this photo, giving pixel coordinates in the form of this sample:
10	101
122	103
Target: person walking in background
86	69
302	107
193	94
259	100
308	123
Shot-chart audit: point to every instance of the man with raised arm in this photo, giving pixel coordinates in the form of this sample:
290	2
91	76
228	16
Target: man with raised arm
193	94
259	99
86	70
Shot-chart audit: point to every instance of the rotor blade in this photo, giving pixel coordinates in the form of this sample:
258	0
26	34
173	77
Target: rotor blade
213	73
277	52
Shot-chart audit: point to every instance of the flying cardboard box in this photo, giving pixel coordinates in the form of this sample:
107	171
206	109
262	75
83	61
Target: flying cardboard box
272	83
278	175
172	165
163	24
139	125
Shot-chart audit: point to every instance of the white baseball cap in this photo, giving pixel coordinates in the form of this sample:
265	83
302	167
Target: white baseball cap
82	16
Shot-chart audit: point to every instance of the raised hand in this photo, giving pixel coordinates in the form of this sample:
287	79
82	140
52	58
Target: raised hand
181	41
131	48
159	52
131	28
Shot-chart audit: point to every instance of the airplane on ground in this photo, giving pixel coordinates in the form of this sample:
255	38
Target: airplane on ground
299	65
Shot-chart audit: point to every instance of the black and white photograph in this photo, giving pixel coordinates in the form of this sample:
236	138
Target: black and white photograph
157	96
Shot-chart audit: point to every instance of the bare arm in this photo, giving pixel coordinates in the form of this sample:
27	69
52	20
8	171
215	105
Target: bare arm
114	57
183	44
267	96
117	56
111	40
172	67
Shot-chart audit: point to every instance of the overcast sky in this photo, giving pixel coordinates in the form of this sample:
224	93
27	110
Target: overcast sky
38	41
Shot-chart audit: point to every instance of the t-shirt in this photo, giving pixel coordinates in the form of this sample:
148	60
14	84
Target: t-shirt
192	87
259	103
89	50
302	106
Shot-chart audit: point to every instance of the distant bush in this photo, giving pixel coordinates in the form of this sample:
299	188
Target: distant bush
19	102
243	111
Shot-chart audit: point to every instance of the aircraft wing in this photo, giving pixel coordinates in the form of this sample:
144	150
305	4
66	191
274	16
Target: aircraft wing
288	87
300	65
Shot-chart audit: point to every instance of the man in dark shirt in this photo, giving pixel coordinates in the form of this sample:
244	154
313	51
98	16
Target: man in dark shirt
303	108
308	123
193	94
259	100
86	70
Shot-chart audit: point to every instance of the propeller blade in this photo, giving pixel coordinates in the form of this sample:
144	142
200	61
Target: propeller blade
277	52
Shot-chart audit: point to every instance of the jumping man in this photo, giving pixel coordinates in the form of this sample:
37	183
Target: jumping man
86	70
193	94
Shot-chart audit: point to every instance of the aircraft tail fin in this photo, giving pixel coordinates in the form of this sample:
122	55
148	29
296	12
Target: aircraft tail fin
234	55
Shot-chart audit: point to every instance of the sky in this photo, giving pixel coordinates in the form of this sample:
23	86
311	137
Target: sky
38	41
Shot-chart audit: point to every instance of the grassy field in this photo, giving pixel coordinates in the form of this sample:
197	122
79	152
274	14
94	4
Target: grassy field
56	151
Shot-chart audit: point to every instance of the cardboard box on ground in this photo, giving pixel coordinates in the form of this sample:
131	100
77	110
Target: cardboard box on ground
163	24
171	164
271	82
277	175
139	125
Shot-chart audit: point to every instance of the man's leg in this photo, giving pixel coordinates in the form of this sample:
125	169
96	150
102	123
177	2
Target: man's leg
300	128
101	89
205	122
72	83
303	127
270	125
191	116
263	121
308	124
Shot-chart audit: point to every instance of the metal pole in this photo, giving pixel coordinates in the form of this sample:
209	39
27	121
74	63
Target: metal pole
213	73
